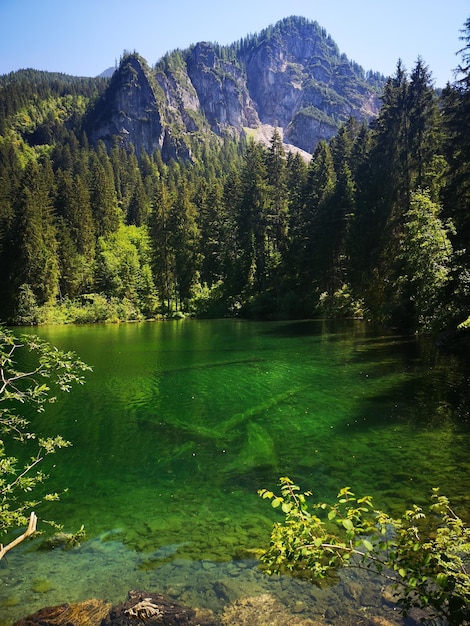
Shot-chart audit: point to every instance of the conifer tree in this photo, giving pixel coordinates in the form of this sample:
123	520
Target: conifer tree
277	207
251	218
35	234
76	234
163	261
139	206
184	238
318	246
424	137
296	177
213	233
103	199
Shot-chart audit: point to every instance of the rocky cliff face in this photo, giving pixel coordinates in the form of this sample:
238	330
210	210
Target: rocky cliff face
291	76
131	113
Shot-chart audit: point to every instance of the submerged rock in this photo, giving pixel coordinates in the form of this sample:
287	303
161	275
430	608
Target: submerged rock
88	613
140	608
262	610
151	608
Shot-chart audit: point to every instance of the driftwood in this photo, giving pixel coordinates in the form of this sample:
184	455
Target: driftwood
33	520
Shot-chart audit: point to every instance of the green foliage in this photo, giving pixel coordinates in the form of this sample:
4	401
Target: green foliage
235	227
340	304
425	256
92	308
425	553
465	324
44	370
66	541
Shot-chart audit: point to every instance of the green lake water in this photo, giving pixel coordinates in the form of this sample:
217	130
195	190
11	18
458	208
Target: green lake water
180	423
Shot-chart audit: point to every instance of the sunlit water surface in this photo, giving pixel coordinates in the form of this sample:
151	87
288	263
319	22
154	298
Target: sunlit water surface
182	422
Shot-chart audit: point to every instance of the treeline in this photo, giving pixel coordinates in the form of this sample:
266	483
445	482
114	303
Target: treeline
376	224
25	89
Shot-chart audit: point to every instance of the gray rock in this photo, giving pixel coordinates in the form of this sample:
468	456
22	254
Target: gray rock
291	77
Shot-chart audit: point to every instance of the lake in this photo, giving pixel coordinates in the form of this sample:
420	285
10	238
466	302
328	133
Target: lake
181	422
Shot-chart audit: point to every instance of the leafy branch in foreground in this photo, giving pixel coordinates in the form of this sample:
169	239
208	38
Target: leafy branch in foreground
44	370
426	554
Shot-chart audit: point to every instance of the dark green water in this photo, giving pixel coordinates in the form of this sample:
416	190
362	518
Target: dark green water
181	422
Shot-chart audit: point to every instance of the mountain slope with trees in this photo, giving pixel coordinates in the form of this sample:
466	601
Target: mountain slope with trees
211	223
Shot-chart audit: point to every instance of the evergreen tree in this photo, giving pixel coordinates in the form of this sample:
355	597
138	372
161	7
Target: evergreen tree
233	276
296	179
384	198
251	218
184	241
76	234
34	235
319	223
424	137
163	260
277	202
107	216
213	233
139	205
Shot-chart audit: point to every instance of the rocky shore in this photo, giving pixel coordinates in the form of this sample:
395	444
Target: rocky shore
152	609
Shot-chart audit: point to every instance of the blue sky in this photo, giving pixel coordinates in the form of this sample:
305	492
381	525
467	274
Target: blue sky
84	37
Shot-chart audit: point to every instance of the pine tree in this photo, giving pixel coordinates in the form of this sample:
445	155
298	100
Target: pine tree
163	259
184	238
139	205
76	234
277	202
296	178
318	220
35	235
211	223
383	197
424	137
251	218
107	216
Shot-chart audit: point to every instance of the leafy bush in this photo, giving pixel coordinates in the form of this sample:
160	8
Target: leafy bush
426	554
340	304
44	369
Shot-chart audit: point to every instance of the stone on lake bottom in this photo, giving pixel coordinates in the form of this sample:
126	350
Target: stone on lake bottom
88	613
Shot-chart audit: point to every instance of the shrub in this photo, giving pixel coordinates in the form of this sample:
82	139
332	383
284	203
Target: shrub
425	553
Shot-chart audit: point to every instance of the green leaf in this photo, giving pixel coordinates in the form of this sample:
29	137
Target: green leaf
367	545
348	525
441	580
332	515
276	502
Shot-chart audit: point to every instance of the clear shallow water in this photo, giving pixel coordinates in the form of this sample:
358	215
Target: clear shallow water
181	422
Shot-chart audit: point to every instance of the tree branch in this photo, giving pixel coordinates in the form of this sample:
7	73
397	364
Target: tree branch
33	520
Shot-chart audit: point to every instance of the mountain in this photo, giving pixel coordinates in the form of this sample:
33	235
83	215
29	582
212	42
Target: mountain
107	72
291	76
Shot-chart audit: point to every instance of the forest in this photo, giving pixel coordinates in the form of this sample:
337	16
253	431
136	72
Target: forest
375	225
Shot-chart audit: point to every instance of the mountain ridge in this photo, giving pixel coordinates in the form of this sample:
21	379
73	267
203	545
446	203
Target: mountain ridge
290	76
